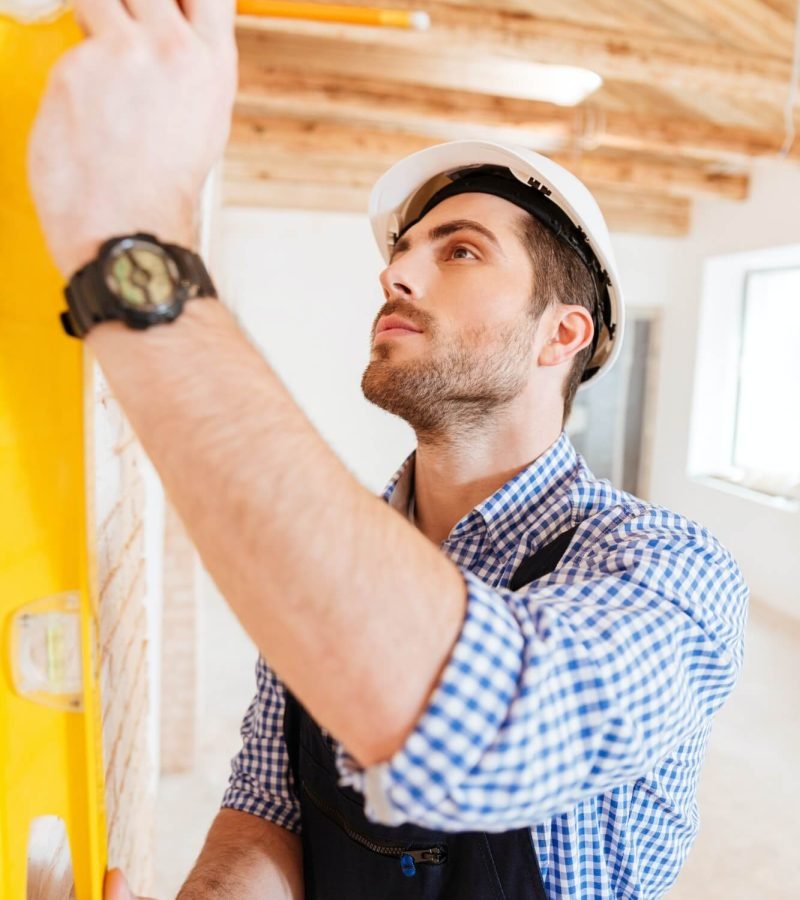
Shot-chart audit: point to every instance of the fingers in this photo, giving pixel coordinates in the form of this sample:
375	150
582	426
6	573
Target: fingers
97	16
211	19
161	15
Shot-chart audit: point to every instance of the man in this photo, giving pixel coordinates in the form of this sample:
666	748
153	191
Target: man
500	682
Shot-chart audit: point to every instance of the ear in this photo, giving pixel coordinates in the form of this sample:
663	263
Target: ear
571	329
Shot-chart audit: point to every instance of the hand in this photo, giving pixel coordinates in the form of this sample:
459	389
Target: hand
116	888
131	123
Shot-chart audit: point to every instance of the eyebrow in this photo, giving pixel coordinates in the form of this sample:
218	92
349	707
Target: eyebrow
444	230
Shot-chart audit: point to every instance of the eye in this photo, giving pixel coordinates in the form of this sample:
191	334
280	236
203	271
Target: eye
462	252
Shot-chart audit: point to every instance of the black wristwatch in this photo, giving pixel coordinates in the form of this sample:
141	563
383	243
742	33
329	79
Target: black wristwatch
137	280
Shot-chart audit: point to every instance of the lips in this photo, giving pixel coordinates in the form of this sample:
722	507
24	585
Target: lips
396	323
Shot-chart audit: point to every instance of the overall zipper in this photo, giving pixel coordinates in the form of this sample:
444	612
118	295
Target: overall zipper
431	855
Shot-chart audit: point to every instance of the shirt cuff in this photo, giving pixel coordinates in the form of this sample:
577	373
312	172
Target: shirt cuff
426	782
279	811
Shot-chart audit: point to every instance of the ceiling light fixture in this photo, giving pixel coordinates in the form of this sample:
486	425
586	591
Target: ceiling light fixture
562	85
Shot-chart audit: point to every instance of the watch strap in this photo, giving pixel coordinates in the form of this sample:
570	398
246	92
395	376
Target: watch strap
85	295
193	271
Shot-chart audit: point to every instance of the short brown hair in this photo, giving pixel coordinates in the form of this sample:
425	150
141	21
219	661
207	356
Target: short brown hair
559	277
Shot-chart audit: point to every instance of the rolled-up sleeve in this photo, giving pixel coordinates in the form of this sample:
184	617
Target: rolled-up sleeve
260	782
578	683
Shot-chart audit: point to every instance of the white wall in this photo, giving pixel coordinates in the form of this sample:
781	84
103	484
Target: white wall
305	286
764	539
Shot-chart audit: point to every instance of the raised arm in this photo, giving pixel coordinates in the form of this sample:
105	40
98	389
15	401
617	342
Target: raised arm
319	572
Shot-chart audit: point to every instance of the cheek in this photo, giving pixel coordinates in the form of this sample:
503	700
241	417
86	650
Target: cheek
468	299
489	310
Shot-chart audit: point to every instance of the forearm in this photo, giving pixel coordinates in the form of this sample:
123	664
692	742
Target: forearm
341	594
246	858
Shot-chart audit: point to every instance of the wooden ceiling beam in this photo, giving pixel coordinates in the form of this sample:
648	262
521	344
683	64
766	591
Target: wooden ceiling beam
488	51
449	114
268	193
644	212
675	178
636	212
291	145
751	25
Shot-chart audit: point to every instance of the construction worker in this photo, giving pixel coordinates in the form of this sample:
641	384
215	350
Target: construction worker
499	682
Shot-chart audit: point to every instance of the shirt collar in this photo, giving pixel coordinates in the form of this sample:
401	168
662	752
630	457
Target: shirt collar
398	491
506	515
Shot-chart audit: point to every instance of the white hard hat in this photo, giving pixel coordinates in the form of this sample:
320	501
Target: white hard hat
551	193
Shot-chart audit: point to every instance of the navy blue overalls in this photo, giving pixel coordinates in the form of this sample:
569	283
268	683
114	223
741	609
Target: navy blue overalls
347	857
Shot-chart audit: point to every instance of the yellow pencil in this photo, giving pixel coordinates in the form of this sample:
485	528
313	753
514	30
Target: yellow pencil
321	12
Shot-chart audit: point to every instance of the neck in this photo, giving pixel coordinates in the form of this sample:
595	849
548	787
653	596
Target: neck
455	472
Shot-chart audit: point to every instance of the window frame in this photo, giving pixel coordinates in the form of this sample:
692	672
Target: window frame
717	379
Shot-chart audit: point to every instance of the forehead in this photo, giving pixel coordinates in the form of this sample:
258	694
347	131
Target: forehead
499	215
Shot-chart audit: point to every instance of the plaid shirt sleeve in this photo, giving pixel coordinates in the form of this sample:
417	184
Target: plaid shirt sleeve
578	683
260	782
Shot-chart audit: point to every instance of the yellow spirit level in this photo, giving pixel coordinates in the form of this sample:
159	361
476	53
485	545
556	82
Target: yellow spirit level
50	728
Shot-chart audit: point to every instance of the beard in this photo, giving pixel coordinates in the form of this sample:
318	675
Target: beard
457	385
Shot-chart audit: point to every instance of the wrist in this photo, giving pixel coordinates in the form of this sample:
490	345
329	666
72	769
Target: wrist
74	256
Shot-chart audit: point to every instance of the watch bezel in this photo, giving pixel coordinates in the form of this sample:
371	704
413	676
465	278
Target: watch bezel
130	315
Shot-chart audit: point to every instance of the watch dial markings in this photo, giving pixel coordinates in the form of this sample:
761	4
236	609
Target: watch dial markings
142	276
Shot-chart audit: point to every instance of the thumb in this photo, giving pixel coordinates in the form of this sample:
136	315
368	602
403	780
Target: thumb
115	887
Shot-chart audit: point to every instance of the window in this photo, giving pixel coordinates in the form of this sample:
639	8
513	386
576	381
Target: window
746	417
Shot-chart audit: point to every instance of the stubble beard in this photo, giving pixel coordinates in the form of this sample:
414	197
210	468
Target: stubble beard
454	388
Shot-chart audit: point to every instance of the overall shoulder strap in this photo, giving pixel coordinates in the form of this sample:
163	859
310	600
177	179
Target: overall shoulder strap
291	732
543	562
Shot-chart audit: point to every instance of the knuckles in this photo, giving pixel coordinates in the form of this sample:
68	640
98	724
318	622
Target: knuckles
179	54
179	47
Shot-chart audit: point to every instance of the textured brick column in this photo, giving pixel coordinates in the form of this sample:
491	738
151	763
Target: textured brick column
119	539
179	649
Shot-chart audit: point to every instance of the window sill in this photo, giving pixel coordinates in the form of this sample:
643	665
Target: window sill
787	504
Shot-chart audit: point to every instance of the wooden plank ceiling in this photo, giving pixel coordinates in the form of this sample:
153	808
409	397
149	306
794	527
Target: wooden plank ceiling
692	91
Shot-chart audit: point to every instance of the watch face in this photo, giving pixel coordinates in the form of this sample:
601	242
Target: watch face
142	275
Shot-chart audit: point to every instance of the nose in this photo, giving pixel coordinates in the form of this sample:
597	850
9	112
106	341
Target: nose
400	281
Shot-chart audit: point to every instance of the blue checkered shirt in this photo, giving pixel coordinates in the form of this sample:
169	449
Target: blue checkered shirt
579	705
